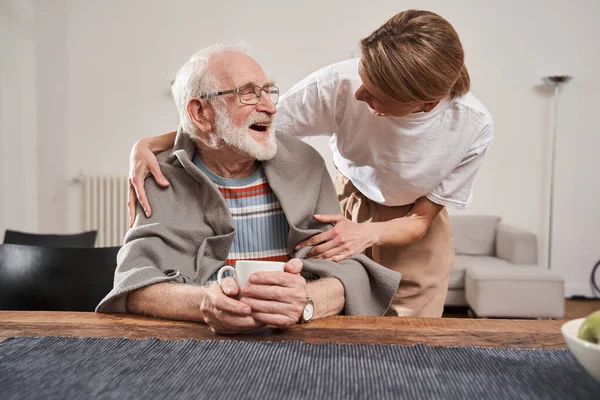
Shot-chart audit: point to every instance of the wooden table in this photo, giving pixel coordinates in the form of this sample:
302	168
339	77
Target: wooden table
541	334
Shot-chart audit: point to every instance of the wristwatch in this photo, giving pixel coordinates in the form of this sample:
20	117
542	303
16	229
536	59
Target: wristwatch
308	311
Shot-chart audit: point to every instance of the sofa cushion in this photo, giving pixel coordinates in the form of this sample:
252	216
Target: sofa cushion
457	273
511	272
515	291
474	234
462	262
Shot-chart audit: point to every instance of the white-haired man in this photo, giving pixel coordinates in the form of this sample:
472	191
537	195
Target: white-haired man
237	192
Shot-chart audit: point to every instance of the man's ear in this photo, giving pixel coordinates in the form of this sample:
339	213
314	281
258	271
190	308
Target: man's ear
426	107
201	113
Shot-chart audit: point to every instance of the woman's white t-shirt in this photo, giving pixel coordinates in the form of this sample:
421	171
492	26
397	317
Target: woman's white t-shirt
391	160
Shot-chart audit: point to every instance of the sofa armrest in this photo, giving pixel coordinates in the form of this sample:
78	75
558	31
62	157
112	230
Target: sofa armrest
516	245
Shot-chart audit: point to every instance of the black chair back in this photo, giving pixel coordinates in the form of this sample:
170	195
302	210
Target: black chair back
83	239
55	279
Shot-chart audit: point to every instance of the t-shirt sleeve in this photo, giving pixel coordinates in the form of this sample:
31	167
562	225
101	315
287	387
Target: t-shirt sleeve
308	108
456	190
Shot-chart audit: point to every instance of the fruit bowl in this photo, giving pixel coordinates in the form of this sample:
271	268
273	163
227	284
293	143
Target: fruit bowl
587	353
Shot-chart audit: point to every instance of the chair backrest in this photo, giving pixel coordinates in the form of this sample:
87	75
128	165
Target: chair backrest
55	279
83	239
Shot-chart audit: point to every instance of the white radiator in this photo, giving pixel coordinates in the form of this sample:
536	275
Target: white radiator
105	208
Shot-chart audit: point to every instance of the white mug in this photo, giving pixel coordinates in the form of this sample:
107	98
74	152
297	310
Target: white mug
244	268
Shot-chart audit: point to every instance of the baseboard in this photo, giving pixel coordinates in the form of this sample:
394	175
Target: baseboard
580	290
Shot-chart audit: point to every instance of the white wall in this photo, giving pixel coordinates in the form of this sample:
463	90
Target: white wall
18	122
111	62
52	109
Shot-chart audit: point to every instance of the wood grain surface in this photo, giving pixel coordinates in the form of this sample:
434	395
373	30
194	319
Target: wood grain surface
540	334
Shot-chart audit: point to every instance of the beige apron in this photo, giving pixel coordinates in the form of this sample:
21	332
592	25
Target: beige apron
424	265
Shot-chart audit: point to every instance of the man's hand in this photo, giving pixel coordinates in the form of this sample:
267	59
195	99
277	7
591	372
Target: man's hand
277	298
226	315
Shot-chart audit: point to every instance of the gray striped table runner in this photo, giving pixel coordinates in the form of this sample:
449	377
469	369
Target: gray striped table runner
79	368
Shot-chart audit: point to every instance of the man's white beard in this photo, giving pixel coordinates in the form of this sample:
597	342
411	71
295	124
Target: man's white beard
238	137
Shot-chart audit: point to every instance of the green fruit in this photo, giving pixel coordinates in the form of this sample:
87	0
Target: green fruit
590	329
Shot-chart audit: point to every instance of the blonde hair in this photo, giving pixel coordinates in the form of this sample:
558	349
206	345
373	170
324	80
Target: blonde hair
416	56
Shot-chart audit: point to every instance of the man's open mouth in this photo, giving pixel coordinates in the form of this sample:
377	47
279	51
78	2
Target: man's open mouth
259	127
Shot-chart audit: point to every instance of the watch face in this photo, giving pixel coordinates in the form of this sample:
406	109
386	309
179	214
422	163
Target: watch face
308	312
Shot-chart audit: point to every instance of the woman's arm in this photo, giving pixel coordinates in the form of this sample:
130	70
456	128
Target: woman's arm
410	228
347	238
161	142
142	163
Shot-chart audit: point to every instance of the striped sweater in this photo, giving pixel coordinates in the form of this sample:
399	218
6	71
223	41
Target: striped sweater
261	228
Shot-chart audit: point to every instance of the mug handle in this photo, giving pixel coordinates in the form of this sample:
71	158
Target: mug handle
222	271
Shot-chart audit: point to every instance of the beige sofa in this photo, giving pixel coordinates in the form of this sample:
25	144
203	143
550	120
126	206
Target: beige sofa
496	272
480	240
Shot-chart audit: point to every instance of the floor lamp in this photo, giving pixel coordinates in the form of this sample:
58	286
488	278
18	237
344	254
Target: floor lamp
557	81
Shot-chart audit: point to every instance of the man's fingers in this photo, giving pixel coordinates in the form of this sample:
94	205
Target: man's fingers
230	287
294	266
221	302
283	279
232	306
157	173
236	321
277	293
131	205
274	293
277	320
226	315
271	307
229	324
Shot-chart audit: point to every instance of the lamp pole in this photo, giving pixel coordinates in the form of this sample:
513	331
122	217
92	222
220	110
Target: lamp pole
557	81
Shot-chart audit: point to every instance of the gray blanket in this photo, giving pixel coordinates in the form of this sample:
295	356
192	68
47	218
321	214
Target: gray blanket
190	232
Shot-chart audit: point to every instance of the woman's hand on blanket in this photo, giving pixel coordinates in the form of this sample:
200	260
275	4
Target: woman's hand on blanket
344	240
142	162
224	314
277	298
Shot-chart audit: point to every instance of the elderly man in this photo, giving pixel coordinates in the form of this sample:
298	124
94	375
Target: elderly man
237	192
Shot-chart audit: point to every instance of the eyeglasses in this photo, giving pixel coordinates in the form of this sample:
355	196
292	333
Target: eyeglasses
249	94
